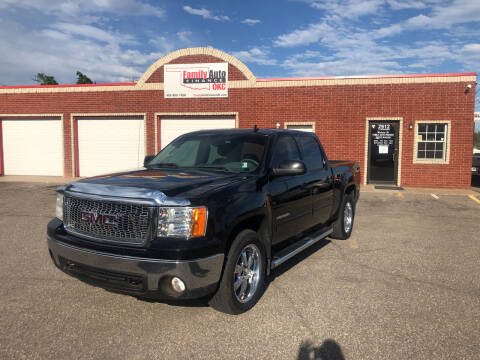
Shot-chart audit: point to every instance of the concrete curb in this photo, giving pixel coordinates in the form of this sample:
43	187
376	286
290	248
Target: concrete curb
37	179
414	190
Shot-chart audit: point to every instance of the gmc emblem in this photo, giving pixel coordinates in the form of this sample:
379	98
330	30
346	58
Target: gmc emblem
99	219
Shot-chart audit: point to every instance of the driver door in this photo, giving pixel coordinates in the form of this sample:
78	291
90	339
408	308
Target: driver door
290	199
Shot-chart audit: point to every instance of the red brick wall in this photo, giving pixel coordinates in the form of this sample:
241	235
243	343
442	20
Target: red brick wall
339	112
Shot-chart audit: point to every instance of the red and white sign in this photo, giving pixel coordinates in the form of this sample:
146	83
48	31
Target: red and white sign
195	80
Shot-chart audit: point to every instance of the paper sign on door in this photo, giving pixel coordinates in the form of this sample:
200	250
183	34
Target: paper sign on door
383	149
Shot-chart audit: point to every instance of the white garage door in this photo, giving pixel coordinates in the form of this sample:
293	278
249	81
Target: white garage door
110	145
33	147
170	129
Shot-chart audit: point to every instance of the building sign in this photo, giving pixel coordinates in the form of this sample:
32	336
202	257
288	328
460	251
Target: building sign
195	80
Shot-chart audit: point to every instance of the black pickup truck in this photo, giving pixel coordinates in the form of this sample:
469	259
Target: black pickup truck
210	215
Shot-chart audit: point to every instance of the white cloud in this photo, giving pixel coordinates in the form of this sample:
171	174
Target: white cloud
79	8
441	17
93	32
473	49
406	4
388	31
348	8
255	55
206	14
251	22
62	49
352	47
184	36
444	16
162	44
311	34
469	54
361	56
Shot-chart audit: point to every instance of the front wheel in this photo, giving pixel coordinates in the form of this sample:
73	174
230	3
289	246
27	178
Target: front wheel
343	226
242	282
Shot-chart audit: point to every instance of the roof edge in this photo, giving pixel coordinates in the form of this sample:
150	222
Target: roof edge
397	76
64	85
366	77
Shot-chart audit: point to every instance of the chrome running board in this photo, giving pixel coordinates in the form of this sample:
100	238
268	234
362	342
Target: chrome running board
298	247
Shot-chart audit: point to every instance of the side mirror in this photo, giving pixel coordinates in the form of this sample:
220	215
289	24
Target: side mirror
147	159
289	168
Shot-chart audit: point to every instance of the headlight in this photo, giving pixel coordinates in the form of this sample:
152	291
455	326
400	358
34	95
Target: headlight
185	222
59	207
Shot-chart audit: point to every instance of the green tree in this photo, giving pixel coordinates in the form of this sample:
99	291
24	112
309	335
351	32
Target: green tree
83	79
476	140
43	79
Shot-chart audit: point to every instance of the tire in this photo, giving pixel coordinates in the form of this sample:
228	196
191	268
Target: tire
242	282
342	227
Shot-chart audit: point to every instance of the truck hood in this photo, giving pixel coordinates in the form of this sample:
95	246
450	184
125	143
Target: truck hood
167	186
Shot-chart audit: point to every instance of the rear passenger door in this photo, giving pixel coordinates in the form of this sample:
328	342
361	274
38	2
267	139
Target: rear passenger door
290	200
318	180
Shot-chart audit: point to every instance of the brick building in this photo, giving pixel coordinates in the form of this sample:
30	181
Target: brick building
408	130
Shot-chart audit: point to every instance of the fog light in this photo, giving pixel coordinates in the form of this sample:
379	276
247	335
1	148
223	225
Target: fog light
178	285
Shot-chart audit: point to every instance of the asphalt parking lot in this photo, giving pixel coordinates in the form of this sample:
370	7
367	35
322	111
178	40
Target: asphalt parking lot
405	286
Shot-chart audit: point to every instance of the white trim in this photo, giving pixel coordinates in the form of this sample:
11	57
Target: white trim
444	161
400	145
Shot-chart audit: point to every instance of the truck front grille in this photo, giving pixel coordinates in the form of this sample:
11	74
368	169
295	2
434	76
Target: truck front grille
107	221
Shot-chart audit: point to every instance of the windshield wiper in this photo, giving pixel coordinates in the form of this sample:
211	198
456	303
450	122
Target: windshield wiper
213	167
173	165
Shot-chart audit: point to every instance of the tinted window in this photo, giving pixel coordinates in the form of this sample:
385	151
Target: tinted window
312	156
285	149
233	152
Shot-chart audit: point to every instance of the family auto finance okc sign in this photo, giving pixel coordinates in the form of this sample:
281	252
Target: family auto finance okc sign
195	80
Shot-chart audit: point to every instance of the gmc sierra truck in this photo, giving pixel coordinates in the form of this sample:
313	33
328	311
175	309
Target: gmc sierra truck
209	216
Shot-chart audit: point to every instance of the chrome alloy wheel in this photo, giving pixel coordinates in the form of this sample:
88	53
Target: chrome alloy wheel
347	217
247	273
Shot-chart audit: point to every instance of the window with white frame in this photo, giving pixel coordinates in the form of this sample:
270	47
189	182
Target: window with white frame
301	126
432	141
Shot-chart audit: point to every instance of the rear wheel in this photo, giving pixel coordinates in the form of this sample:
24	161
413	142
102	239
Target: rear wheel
343	226
242	282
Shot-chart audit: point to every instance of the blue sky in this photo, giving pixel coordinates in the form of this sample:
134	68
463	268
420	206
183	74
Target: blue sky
117	40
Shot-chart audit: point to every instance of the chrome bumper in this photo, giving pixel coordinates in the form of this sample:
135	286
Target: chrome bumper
200	275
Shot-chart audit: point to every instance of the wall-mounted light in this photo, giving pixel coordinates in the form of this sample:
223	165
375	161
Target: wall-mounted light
410	126
469	86
278	125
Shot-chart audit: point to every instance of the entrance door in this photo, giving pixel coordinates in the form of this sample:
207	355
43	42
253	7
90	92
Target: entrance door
383	152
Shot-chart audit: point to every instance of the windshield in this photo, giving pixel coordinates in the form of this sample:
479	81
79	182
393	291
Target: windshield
223	152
